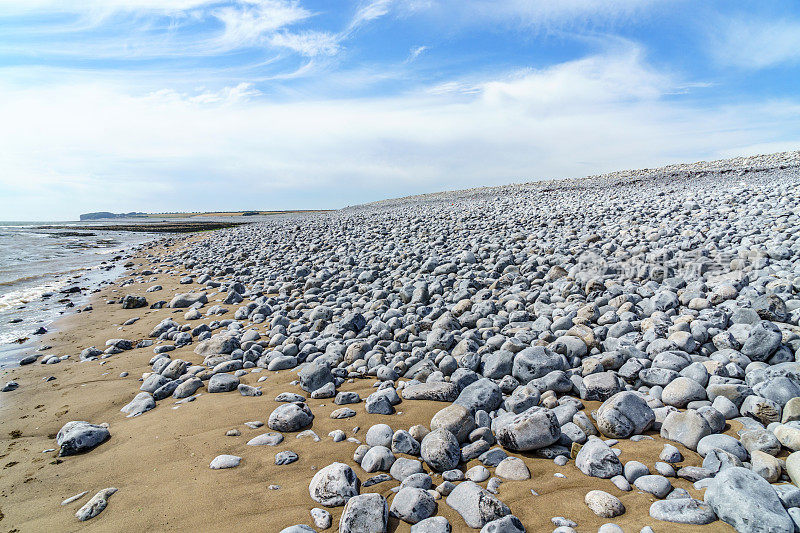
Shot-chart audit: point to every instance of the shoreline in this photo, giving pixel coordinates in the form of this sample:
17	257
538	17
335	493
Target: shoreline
150	227
56	296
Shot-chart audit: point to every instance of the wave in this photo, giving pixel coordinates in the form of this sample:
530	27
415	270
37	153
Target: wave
26	295
21	280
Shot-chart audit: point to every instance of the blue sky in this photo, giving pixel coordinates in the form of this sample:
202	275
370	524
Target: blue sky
180	105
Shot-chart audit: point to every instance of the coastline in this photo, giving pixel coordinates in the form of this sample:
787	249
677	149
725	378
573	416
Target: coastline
159	460
147	226
44	298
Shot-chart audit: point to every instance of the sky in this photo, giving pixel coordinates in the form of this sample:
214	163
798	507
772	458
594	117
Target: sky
205	105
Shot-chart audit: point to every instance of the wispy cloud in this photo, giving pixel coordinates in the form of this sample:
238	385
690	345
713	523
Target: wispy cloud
532	13
370	11
249	26
753	43
415	53
308	43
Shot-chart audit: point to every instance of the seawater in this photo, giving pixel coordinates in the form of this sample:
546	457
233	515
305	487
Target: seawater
37	263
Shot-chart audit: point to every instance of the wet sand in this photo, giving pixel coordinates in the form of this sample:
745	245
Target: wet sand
159	460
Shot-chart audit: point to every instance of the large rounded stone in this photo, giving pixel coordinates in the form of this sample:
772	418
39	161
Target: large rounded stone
529	430
681	391
763	340
483	394
412	505
366	513
748	502
535	362
377	458
597	459
334	485
686	427
793	467
79	436
603	504
722	442
290	417
476	505
222	383
440	450
456	419
624	414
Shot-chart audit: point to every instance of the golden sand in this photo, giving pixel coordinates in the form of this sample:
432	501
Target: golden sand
160	460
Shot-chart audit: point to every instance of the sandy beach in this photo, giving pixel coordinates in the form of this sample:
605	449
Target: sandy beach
159	460
284	301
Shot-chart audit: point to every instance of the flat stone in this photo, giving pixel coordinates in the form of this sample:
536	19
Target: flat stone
95	505
683	511
141	403
266	439
225	461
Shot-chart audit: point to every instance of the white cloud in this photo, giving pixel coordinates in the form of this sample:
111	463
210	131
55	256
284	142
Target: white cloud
755	44
15	7
248	26
308	43
532	13
613	77
415	52
226	96
370	11
139	29
87	146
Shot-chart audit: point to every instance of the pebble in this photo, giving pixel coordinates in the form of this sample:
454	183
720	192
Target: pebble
513	468
95	505
322	518
285	457
225	461
76	497
604	504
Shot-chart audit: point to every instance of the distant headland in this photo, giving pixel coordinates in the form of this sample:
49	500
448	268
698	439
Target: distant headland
102	215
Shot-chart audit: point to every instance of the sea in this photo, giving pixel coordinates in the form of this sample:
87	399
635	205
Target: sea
37	264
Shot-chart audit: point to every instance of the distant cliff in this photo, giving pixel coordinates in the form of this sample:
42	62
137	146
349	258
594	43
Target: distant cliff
105	214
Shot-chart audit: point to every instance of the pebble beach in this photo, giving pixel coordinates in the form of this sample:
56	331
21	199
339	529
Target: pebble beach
611	353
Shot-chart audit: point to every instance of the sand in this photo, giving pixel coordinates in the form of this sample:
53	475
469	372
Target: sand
159	461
